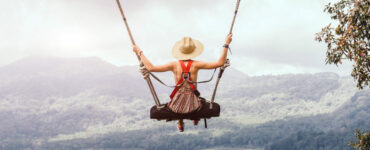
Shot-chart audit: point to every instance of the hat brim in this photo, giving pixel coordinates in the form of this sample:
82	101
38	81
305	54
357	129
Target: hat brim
176	53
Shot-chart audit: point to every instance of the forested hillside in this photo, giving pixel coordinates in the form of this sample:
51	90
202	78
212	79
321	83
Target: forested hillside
86	103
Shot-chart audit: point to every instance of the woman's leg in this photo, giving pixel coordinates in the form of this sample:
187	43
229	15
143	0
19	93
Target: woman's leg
196	121
180	125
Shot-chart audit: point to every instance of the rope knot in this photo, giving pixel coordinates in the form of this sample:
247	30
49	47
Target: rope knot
145	72
226	64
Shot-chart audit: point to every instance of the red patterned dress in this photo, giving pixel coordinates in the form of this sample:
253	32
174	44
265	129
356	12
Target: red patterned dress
184	101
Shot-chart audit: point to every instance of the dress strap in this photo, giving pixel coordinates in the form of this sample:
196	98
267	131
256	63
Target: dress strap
185	76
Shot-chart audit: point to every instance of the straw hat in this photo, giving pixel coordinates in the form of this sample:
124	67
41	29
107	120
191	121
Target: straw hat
187	48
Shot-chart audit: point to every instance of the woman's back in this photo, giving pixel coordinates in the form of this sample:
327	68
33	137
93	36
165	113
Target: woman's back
177	72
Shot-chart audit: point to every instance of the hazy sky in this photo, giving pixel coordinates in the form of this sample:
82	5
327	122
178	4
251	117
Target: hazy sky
270	36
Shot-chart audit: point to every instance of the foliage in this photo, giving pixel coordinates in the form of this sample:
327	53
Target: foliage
350	39
105	111
301	133
363	141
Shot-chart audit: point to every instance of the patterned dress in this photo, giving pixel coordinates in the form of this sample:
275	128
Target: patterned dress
185	101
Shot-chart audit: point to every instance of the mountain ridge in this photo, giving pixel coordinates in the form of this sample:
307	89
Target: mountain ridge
46	105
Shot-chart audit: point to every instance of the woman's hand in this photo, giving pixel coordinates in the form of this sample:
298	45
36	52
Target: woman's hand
228	39
136	49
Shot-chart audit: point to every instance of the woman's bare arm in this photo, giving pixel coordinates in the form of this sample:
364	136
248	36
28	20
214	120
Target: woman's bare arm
221	60
149	65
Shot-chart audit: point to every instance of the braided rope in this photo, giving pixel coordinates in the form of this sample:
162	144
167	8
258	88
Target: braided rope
143	70
227	62
235	12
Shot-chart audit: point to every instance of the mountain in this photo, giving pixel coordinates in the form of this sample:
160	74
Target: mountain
87	103
42	77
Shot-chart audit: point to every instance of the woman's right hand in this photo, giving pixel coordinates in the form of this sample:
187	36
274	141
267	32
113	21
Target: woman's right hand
228	39
136	49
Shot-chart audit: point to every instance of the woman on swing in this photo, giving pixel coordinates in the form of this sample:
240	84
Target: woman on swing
184	100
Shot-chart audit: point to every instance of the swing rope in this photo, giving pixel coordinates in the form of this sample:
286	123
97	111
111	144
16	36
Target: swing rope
227	62
146	74
143	70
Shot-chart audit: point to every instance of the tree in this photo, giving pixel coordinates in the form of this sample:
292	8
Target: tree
363	141
350	39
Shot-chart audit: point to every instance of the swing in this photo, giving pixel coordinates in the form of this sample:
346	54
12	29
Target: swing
161	111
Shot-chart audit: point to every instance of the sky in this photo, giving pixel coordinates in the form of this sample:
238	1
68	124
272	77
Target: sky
270	37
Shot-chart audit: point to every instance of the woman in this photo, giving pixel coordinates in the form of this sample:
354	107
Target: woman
183	99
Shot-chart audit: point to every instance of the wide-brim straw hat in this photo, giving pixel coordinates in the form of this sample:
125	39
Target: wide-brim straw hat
187	48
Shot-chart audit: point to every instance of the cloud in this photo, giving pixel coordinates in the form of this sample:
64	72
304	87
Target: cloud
268	32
